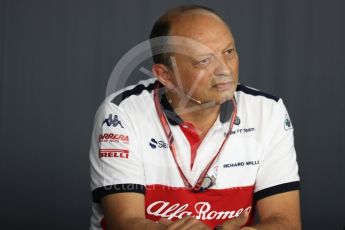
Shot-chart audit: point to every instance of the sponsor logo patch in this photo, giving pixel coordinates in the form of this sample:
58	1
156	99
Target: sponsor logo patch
241	131
237	120
240	164
203	211
287	122
174	203
113	137
160	144
112	120
117	153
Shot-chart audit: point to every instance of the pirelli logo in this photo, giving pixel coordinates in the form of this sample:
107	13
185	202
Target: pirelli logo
118	153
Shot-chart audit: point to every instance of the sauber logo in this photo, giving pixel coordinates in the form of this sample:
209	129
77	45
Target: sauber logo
120	153
202	209
160	144
113	137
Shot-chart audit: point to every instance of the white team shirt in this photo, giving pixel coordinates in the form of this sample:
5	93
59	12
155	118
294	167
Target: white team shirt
130	153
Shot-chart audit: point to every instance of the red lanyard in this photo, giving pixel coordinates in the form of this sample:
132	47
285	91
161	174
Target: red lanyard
172	147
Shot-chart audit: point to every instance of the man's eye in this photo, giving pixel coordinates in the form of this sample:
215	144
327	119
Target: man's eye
229	52
203	62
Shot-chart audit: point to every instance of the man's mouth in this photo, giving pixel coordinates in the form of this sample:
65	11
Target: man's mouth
222	86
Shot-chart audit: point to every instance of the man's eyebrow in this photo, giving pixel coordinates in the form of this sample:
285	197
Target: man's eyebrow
205	54
226	47
211	54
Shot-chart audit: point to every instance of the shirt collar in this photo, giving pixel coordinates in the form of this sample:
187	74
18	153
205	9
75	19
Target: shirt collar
226	109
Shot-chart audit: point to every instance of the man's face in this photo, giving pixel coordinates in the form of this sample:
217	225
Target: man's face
207	70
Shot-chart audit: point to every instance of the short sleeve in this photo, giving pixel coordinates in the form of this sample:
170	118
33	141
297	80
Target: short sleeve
278	169
115	159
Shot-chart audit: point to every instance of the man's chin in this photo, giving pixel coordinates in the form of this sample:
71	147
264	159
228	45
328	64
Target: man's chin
225	98
221	100
218	99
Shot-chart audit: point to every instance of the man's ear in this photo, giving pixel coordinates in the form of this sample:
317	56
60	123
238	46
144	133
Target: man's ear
163	74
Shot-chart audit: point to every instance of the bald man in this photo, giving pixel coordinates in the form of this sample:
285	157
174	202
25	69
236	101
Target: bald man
192	148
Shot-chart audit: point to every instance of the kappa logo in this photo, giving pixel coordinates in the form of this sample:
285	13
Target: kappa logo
112	120
160	144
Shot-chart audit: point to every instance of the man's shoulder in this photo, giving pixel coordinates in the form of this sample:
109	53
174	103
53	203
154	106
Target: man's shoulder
261	106
129	99
250	92
140	89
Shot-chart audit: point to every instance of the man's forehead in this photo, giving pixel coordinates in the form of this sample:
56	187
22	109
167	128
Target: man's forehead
188	23
203	27
194	47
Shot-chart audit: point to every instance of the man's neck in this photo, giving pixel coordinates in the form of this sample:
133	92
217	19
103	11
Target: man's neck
202	116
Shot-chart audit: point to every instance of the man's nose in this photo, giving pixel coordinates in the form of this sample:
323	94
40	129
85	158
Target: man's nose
222	68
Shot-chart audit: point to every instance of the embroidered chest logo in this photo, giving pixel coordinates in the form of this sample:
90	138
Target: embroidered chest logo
112	120
160	144
240	130
287	122
241	164
237	120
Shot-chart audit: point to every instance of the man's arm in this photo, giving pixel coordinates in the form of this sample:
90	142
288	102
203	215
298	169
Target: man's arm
126	211
277	184
280	211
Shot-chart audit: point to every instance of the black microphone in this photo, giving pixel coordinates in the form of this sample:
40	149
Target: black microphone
181	93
